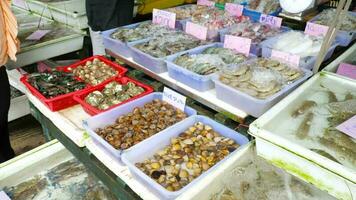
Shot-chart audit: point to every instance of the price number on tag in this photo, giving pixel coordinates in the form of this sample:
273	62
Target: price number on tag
316	29
286	57
239	44
164	18
271	20
234	9
174	98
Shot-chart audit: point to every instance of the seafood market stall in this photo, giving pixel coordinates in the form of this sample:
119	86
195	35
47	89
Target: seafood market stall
145	142
51	39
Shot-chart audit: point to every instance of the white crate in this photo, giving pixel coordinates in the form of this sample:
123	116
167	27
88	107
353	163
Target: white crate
19	107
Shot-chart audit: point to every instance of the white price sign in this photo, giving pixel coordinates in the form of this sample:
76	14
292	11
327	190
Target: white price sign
174	98
164	18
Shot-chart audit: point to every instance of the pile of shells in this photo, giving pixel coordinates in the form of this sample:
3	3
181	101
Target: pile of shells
141	123
185	12
261	78
187	157
113	94
94	72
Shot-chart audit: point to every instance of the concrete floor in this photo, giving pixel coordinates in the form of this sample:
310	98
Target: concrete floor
25	134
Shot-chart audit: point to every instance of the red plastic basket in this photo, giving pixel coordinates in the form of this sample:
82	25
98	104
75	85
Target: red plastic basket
54	104
120	69
80	97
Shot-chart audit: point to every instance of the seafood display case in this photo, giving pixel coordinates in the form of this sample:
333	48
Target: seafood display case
59	40
68	12
300	134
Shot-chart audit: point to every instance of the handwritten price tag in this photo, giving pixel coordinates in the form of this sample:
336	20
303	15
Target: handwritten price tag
286	57
240	44
164	18
234	9
37	35
20	3
316	29
3	196
347	70
271	20
348	127
174	98
196	30
206	3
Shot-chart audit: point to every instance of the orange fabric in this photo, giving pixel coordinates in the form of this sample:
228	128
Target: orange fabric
9	45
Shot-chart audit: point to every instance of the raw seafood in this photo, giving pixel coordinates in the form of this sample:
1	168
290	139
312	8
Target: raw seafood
257	32
55	83
326	17
298	43
186	11
166	45
210	60
113	94
94	72
260	78
142	31
264	6
187	156
141	123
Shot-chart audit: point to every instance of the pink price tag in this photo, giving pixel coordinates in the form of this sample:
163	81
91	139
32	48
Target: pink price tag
206	3
347	70
37	35
196	30
286	57
3	196
234	9
240	44
271	20
164	18
20	4
316	29
348	127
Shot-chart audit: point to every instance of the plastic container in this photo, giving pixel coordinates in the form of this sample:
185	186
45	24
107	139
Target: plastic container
117	46
251	105
103	119
157	65
256	48
199	82
305	62
255	15
212	35
120	70
54	104
149	147
80	98
344	38
277	141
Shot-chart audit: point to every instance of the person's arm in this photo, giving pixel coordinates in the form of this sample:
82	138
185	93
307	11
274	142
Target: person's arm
9	44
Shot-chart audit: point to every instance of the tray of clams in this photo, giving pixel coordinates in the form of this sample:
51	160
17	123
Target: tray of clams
175	159
121	128
262	81
115	93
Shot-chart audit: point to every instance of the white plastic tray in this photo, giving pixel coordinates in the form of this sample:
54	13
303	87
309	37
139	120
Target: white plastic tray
19	107
332	176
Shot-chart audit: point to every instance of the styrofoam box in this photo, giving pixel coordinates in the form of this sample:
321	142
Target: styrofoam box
251	105
157	65
19	107
148	148
305	62
107	118
344	38
339	180
214	184
117	46
256	48
194	80
347	57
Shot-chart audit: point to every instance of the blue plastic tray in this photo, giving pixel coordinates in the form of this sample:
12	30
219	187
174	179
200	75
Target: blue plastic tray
305	62
199	82
107	118
157	142
255	16
344	38
256	48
